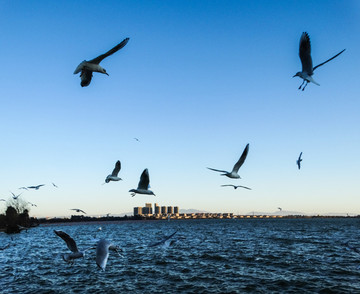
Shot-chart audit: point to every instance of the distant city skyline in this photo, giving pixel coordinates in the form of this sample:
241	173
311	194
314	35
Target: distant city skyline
197	82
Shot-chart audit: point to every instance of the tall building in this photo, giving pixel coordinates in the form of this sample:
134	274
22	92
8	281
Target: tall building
176	210
157	208
137	210
147	209
163	209
170	210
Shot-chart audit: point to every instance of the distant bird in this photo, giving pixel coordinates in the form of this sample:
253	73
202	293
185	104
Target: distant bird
164	242
280	208
298	162
234	173
306	61
32	204
33	187
136	139
143	186
71	244
78	210
102	252
55	185
236	186
15	197
114	174
88	67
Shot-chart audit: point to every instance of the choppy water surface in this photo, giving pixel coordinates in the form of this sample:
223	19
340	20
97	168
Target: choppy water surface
210	256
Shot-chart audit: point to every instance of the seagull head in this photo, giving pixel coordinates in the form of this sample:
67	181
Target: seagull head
298	74
103	70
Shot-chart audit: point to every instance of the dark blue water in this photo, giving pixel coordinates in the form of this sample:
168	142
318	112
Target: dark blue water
210	256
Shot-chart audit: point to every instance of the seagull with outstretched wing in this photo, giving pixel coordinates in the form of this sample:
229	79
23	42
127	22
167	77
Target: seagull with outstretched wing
236	186
234	173
78	210
143	186
102	252
114	175
298	162
164	242
88	67
306	61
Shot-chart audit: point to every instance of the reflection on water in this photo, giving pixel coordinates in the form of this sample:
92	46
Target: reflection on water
210	256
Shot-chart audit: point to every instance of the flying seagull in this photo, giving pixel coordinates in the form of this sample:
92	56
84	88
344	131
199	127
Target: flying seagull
15	197
102	252
236	186
136	139
143	186
78	210
114	174
298	162
32	204
280	209
88	67
33	187
164	242
306	61
55	185
71	244
234	173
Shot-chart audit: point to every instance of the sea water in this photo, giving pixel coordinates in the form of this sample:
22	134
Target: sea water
209	256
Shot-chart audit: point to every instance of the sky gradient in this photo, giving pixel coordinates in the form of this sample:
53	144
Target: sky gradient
197	81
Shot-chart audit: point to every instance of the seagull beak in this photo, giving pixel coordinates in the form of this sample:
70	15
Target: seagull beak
107	74
294	76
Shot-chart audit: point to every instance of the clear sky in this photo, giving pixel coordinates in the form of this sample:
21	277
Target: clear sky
197	81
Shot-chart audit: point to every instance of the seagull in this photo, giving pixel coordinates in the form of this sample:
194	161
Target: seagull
280	208
34	187
32	204
136	139
55	185
234	173
102	252
15	197
306	61
143	185
88	67
299	160
78	210
164	242
71	244
114	174
235	187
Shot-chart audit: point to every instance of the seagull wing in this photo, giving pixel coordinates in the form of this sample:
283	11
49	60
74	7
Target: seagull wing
218	170
98	59
241	159
305	54
163	240
227	186
244	187
116	169
300	155
328	60
102	253
144	180
68	240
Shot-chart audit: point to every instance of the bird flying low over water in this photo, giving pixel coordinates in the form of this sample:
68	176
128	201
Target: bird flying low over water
102	252
298	162
71	244
306	61
236	186
78	210
234	173
114	174
88	67
143	187
164	242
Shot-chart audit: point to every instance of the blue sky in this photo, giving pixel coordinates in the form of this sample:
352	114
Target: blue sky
197	81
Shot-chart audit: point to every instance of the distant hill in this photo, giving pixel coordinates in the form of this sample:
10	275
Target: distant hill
192	210
278	212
